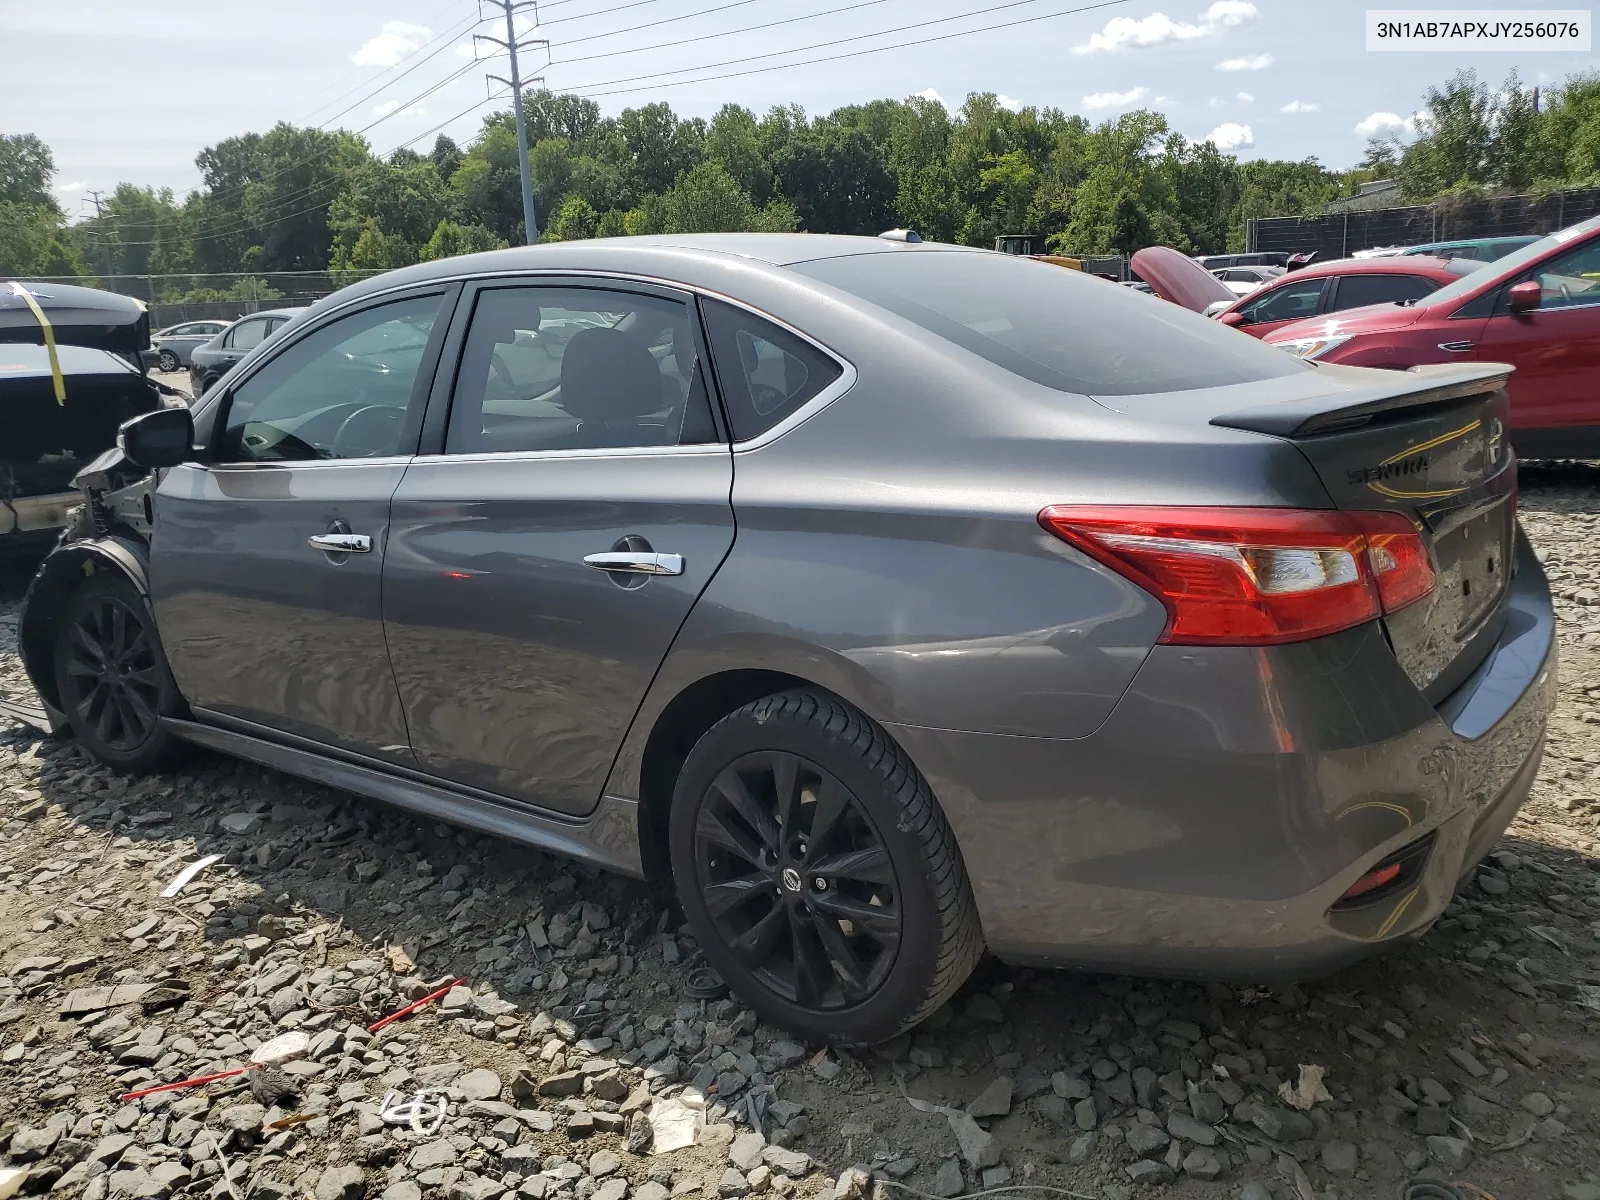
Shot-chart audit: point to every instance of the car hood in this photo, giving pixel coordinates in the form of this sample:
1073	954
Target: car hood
1178	278
1374	318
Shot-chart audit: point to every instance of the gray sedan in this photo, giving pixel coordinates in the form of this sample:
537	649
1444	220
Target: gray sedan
890	601
170	347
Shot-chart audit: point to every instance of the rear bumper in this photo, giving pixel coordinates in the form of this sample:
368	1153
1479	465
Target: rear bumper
1208	827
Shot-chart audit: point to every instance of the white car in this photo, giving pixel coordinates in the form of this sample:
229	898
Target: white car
1241	281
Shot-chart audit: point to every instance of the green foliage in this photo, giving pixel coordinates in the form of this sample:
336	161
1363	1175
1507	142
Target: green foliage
577	219
391	207
450	239
33	242
248	288
26	168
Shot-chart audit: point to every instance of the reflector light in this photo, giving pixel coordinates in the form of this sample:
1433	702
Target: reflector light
1372	881
1255	576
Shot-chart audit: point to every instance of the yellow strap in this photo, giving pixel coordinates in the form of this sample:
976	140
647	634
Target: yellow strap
49	341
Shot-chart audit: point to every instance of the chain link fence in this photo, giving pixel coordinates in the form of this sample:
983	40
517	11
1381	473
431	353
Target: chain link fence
1339	235
173	299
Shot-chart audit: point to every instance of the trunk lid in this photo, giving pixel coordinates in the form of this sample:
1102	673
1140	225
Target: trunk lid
1429	443
1178	278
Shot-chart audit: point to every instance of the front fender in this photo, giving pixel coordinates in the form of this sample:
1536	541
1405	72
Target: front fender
68	565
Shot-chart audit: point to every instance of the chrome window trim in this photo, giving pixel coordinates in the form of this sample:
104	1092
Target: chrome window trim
503	456
385	460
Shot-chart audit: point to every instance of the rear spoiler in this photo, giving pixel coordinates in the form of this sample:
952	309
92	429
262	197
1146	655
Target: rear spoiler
1437	383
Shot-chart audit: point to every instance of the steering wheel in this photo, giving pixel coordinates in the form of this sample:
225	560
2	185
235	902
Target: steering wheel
371	430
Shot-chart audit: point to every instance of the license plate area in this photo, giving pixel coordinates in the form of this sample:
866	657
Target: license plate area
1473	556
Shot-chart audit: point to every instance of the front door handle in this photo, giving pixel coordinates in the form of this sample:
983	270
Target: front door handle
342	543
629	562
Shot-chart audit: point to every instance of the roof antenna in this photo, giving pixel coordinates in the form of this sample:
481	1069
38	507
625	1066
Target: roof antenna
900	235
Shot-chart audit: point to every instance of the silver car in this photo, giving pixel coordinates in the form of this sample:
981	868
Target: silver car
170	347
890	601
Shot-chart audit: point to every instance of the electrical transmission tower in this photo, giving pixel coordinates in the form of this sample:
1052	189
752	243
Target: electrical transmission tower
105	237
511	45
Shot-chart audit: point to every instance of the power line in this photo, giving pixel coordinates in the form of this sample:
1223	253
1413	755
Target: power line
860	37
720	34
450	34
368	80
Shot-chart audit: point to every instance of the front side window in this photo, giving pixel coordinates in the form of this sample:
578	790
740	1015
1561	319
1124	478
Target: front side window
1289	302
563	368
1571	279
341	392
247	335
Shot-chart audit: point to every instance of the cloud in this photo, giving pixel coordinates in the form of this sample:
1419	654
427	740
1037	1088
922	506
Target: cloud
1230	135
1386	122
389	106
1246	98
1300	106
1249	62
68	189
1007	103
931	94
1115	99
398	39
1125	33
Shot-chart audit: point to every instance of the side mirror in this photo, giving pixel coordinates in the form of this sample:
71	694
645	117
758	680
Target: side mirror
1231	317
163	438
1524	296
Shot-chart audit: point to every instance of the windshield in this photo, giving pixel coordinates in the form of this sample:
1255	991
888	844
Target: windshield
1053	325
1512	263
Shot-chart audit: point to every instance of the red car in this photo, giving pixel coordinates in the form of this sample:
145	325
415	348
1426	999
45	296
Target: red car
1537	309
1343	283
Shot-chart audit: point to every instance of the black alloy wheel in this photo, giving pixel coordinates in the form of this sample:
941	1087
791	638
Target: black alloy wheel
112	678
821	879
797	880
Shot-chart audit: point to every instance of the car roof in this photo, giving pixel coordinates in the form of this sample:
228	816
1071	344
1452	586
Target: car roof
1409	265
669	257
271	312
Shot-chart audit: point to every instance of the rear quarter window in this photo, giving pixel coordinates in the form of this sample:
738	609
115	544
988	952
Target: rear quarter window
1054	326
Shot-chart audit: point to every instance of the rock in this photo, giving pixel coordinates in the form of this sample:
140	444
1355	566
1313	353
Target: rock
1069	1087
243	1118
1186	1128
1145	1139
1538	1104
1254	1191
1082	1146
977	1147
853	1184
1467	1063
1084	1115
745	1152
1202	1164
732	1182
1581	1191
994	1100
438	1153
241	823
1207	1106
1432	1121
1282	1124
641	1134
786	1162
614	1188
1339	1158
474	1187
406	1189
343	1181
29	1144
1492	883
1150	1172
984	1010
650	1190
482	1084
603	1163
947	1180
1449	1152
563	1083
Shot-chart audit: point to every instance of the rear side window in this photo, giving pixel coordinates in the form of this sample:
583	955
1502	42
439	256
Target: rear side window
1356	291
766	372
247	334
1057	327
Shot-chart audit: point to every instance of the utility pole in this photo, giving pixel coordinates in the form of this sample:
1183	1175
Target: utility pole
105	240
511	45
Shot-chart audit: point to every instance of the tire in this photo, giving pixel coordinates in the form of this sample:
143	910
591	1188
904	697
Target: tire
865	872
112	677
168	361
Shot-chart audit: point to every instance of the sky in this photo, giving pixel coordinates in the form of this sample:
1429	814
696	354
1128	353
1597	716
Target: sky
132	90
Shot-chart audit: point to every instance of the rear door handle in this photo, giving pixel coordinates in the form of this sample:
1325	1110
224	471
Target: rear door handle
342	543
629	562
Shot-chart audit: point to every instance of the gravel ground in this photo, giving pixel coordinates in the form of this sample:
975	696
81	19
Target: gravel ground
1473	1054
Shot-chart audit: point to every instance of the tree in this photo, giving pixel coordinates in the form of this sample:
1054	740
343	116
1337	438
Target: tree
405	203
662	147
26	169
836	181
734	140
32	242
487	186
577	219
450	239
446	156
707	199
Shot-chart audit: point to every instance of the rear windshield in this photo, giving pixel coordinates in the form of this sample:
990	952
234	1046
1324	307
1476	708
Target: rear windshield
1053	325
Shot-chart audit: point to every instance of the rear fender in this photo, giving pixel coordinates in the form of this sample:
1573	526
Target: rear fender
66	567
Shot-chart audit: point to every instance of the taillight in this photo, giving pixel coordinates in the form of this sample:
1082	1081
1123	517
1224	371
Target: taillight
1254	576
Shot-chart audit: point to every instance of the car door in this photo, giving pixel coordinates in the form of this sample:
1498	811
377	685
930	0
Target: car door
243	338
1555	347
267	557
544	555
